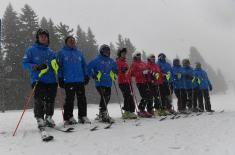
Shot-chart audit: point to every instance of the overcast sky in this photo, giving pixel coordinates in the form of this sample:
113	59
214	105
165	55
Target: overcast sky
169	26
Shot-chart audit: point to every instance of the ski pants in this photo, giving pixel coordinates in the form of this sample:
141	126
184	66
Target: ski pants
204	93
129	104
157	98
166	93
191	98
71	90
181	96
146	97
105	94
44	99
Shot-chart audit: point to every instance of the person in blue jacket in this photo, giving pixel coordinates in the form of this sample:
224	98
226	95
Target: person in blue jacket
204	87
166	89
37	61
190	86
178	86
73	78
103	69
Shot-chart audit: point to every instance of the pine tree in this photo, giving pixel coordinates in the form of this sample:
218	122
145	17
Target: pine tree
223	86
10	38
54	37
81	39
63	31
92	47
29	26
113	50
44	23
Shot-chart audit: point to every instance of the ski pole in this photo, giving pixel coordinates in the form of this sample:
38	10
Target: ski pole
25	107
134	97
61	103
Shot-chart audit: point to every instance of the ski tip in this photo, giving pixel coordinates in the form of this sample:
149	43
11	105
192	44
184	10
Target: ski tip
48	138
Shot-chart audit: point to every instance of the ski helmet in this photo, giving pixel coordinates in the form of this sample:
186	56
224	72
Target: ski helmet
151	57
186	62
120	51
40	32
161	56
67	38
104	50
136	55
176	62
198	65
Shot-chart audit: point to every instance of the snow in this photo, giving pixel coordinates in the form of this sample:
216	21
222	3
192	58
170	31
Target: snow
199	135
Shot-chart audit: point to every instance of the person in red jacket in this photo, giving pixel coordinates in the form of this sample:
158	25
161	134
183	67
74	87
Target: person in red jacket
139	70
155	82
124	81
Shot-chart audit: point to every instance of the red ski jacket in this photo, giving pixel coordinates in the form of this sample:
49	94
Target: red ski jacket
154	69
123	74
136	70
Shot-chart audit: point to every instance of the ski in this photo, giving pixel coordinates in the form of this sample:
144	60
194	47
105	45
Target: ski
94	128
108	126
163	118
45	136
66	129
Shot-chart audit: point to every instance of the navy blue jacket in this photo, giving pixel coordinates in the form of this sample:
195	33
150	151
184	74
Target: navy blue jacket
39	54
188	76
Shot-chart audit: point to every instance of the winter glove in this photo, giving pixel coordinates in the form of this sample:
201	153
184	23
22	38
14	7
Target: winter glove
39	67
112	75
97	75
61	82
54	66
210	87
155	76
124	69
198	81
86	80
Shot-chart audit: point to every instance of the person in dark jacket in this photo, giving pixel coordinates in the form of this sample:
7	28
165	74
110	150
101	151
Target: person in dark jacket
37	61
124	81
204	87
103	69
73	78
166	89
140	71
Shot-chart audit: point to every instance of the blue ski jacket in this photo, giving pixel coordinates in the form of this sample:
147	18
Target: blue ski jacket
39	54
189	81
204	81
104	65
72	65
177	78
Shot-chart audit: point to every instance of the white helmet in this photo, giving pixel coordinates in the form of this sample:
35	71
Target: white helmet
136	54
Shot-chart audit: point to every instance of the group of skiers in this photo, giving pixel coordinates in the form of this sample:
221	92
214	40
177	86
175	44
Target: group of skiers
155	79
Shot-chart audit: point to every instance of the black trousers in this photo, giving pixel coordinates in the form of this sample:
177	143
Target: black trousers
129	104
157	97
181	98
105	94
166	92
191	98
72	90
204	93
146	97
44	99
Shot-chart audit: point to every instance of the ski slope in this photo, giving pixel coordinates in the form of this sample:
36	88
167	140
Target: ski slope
198	135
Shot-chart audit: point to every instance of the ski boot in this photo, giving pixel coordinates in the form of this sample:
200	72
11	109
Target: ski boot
132	115
144	114
106	118
41	123
125	115
49	121
71	121
84	119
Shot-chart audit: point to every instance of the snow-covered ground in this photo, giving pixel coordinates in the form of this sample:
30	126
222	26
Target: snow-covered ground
199	135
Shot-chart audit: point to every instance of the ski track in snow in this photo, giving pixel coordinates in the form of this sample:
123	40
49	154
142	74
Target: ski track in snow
198	135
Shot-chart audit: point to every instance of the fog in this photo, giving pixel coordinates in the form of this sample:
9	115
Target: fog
169	26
